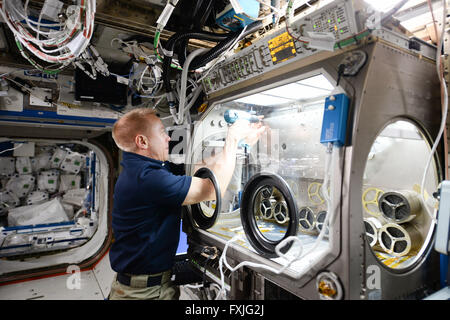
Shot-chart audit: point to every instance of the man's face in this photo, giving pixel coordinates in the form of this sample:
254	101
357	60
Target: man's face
159	140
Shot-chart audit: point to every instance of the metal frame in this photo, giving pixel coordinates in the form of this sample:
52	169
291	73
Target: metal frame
394	84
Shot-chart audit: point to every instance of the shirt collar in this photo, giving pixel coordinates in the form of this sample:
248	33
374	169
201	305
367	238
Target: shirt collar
130	156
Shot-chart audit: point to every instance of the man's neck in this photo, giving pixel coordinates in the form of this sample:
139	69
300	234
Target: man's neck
148	154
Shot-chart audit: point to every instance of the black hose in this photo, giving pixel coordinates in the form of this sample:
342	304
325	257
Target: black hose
181	46
226	41
203	14
197	6
181	51
184	36
202	60
200	14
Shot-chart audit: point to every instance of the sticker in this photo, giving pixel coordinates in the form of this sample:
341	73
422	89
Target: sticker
282	48
76	44
51	8
122	80
322	40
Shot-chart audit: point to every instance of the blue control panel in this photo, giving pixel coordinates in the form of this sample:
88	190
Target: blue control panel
233	21
334	125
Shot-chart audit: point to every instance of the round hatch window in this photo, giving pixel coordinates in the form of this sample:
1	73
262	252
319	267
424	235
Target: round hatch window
268	213
396	210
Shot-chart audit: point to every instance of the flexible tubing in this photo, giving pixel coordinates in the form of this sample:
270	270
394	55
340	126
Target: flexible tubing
224	45
184	75
330	157
171	44
444	116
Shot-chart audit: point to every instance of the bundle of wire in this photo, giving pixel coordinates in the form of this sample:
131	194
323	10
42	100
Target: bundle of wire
150	81
91	58
58	43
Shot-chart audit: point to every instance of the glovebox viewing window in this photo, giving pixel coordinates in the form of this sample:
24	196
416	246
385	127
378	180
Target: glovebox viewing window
398	227
276	188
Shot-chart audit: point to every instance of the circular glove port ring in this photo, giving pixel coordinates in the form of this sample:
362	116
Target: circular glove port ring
254	186
399	207
202	220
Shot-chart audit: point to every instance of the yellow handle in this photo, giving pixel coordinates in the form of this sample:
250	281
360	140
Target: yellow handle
373	200
313	193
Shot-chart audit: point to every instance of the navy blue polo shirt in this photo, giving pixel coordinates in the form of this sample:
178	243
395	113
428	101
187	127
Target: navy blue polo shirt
146	215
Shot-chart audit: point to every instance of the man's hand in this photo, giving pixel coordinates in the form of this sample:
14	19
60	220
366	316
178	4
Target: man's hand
224	163
246	131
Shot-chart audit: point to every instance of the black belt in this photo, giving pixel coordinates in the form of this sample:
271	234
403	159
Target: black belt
151	280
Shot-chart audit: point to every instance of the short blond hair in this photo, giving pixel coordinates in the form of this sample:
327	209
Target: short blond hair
129	126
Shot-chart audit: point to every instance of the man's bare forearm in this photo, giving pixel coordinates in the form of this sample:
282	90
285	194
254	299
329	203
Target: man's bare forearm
225	163
222	164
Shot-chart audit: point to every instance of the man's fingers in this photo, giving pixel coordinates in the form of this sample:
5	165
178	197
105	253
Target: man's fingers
260	131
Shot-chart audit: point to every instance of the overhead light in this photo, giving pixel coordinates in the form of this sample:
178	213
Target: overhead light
296	91
263	100
318	81
306	89
382	5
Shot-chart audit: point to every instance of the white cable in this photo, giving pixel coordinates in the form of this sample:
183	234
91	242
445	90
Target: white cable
329	161
11	149
149	91
161	96
38	28
25	17
223	260
444	114
141	78
68	43
191	286
222	55
123	42
30	22
194	95
179	118
191	85
270	6
215	285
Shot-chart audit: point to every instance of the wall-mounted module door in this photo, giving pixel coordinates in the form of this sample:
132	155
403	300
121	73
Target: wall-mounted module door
55	202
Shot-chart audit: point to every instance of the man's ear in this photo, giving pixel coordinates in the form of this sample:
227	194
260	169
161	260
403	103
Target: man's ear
142	142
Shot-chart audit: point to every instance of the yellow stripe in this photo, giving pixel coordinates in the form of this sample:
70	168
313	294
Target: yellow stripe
238	18
219	234
401	260
389	261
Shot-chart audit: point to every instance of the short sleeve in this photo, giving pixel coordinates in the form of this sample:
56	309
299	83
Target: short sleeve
177	169
165	188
